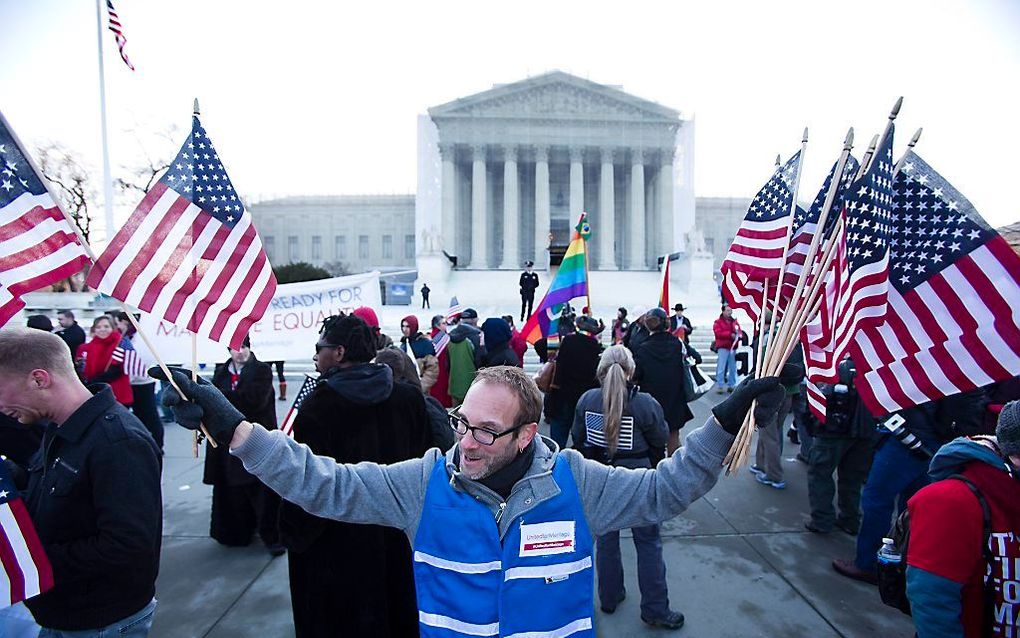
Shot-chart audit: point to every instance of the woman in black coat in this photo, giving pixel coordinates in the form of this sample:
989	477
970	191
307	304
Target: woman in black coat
576	362
241	504
662	372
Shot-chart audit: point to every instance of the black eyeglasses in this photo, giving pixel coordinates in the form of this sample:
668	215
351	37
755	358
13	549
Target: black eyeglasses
320	346
484	436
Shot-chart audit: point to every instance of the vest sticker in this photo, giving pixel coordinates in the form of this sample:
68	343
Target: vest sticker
545	539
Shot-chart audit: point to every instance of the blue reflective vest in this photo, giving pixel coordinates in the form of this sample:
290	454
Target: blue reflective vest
538	581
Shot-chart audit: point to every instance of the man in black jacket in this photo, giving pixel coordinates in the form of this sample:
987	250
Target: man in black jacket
240	503
577	361
346	579
93	491
70	331
661	371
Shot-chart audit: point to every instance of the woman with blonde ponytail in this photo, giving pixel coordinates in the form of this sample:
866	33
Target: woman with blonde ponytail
619	425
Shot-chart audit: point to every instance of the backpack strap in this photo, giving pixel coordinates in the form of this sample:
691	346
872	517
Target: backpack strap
986	552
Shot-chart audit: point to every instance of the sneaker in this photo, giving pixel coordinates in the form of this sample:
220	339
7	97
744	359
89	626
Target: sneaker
757	471
764	480
276	550
811	527
793	436
608	610
721	390
800	457
847	529
672	620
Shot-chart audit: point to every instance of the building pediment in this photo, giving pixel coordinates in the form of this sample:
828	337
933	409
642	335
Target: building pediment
555	95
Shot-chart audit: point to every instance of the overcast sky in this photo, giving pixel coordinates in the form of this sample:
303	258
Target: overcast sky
322	97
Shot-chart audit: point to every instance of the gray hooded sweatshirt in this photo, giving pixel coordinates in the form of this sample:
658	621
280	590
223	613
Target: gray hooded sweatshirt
613	498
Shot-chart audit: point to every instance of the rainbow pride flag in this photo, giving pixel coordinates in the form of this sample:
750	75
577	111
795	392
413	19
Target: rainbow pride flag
570	283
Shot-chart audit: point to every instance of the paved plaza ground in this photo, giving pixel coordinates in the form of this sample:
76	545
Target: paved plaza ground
739	563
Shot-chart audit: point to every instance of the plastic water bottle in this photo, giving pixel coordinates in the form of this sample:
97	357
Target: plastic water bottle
889	554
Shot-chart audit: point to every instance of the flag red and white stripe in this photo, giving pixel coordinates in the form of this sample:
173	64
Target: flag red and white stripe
118	33
189	253
957	331
38	247
309	384
26	569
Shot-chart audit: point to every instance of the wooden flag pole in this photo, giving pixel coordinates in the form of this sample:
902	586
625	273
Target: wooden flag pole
91	253
910	146
738	444
830	197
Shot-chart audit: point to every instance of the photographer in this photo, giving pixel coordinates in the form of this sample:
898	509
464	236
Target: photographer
844	443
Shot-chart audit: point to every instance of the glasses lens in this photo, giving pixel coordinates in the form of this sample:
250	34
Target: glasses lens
483	436
458	424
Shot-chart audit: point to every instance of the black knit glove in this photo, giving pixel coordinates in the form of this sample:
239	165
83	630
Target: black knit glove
205	405
731	412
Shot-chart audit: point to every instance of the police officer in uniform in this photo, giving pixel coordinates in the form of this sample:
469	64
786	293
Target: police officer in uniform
529	284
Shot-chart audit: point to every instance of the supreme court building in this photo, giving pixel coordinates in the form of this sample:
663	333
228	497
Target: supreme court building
504	175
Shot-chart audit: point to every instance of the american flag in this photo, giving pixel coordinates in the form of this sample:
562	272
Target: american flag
953	317
856	286
306	389
189	253
38	247
805	224
118	33
595	431
455	309
26	569
440	341
757	250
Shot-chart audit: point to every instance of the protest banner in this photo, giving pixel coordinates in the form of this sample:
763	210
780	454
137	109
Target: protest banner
290	327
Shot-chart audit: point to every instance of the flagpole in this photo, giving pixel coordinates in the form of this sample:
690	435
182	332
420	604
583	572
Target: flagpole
107	177
910	146
795	302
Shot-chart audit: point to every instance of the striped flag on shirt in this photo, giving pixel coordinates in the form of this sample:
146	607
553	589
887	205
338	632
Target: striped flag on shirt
26	569
38	247
189	253
953	318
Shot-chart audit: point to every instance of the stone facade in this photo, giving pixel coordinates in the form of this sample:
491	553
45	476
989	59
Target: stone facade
362	232
716	223
520	162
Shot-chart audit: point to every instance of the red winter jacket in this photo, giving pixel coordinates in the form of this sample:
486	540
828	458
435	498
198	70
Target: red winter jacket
727	332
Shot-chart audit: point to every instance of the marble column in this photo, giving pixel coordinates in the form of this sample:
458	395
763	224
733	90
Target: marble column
576	183
665	232
636	258
479	216
541	207
511	210
449	198
606	228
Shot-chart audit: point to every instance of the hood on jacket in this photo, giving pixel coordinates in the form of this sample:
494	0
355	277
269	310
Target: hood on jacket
463	331
955	455
496	331
661	346
364	384
412	321
367	315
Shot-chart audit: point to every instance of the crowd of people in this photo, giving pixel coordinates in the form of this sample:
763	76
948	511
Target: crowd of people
415	493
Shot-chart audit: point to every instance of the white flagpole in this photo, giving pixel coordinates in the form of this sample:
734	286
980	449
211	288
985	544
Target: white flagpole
107	178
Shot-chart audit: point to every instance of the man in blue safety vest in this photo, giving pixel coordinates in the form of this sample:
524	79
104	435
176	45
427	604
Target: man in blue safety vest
502	526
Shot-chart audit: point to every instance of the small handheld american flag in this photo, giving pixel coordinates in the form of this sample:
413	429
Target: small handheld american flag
26	570
189	253
306	389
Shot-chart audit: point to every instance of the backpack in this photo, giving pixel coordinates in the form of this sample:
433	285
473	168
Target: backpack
462	367
892	576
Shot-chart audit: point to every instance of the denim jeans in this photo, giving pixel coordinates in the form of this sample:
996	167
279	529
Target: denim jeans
560	424
726	368
651	571
136	625
896	473
800	421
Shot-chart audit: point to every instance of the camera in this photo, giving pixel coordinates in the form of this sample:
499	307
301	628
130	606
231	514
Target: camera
895	425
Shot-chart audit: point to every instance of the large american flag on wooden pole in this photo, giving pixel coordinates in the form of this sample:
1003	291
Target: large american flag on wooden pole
952	322
38	246
856	286
189	253
757	251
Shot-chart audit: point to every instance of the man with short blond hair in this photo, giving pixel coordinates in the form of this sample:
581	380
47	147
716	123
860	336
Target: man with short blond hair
93	492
